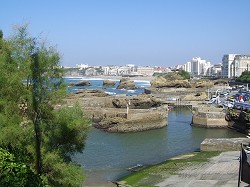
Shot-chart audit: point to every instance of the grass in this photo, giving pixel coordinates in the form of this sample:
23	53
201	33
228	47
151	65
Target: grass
152	175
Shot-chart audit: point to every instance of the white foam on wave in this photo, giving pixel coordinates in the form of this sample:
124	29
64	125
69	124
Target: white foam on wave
131	91
111	93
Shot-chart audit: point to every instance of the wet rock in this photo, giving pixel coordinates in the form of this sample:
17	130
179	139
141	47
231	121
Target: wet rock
126	83
137	102
88	94
81	83
161	82
108	83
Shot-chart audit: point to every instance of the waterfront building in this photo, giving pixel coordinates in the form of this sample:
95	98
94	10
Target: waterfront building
240	64
82	66
227	61
146	71
234	64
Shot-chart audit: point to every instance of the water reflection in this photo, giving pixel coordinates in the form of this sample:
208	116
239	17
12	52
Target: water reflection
107	155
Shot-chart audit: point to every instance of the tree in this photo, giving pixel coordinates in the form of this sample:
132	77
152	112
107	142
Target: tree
30	128
244	77
184	74
15	173
1	34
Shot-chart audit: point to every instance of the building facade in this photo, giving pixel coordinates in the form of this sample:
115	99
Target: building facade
240	64
227	61
197	66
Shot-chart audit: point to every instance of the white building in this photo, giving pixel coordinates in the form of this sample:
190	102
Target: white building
146	71
226	64
82	66
240	64
197	66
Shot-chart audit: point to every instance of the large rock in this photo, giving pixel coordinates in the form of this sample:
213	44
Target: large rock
136	120
137	102
81	83
88	94
126	83
199	96
161	82
203	84
108	83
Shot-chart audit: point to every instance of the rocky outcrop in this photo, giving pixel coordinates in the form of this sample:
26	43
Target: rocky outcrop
138	102
136	120
126	83
203	84
111	114
81	83
108	83
87	94
198	96
161	82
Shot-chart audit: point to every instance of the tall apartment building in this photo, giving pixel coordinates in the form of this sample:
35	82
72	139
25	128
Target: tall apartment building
197	66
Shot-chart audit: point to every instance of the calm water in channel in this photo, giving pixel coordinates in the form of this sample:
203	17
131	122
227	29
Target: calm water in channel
107	155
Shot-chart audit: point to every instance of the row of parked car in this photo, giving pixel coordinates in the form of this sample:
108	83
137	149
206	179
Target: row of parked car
236	97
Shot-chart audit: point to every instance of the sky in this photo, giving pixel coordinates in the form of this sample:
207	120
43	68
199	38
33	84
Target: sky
142	32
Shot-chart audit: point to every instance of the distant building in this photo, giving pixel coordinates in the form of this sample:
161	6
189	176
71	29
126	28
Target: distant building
215	70
197	66
240	64
82	66
227	61
146	71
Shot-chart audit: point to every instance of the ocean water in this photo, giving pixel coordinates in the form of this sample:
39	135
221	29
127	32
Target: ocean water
97	83
107	156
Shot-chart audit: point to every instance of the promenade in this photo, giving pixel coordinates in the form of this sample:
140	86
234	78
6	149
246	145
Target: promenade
220	171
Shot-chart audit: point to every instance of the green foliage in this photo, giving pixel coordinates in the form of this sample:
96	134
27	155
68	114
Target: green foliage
67	131
184	74
172	76
60	173
31	130
14	173
244	77
1	34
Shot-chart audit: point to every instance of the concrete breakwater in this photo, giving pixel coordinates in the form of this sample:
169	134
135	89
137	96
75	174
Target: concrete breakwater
209	117
223	144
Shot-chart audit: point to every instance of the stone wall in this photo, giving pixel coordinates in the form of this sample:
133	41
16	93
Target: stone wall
223	144
209	119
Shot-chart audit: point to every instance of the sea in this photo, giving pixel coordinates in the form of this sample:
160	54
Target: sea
108	156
